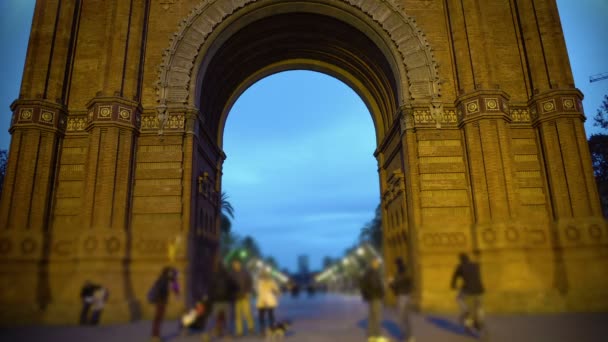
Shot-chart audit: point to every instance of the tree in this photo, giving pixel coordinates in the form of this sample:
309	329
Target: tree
271	261
228	242
227	214
372	231
598	146
327	262
601	116
253	249
3	162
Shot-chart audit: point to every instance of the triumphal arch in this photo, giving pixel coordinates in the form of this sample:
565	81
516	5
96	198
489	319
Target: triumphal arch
116	156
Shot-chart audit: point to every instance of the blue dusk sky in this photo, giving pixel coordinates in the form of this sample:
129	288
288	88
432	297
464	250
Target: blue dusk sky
300	170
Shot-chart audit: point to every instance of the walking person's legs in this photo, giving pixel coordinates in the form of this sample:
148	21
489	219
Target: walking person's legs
96	316
261	321
374	319
271	317
84	313
247	313
238	317
404	317
158	318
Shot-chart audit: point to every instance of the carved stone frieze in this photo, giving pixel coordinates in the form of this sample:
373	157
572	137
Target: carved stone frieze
76	123
520	115
175	71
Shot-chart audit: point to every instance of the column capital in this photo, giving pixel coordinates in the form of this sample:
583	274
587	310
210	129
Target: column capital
555	104
114	111
483	104
39	114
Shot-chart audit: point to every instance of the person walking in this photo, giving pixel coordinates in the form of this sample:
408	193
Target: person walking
100	297
159	296
401	285
222	292
242	303
372	291
87	296
268	292
471	291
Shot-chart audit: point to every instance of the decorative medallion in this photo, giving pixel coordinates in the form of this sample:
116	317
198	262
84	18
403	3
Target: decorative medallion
472	107
124	114
492	104
548	106
25	114
105	112
568	103
47	116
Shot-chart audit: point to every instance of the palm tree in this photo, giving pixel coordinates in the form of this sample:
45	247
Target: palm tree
228	240
227	214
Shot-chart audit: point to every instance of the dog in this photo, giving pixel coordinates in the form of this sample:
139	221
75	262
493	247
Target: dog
277	332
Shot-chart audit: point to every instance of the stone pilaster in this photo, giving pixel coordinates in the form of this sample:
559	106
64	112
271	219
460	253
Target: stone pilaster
99	249
579	232
37	129
485	120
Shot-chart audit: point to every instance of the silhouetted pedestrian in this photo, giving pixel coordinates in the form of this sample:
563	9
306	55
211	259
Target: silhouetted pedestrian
159	296
87	295
100	297
401	285
470	292
222	293
372	291
268	292
242	305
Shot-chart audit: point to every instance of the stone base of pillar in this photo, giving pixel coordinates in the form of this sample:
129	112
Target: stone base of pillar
526	268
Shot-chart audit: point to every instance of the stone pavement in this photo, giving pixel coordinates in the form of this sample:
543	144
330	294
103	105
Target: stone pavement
336	318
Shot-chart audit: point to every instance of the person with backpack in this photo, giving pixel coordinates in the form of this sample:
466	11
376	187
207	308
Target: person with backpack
372	291
401	285
159	296
470	292
221	296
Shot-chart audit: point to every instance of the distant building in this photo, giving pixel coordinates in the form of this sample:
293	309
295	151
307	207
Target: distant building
303	268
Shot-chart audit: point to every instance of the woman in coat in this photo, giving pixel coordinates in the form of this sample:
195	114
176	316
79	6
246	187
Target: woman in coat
159	296
268	292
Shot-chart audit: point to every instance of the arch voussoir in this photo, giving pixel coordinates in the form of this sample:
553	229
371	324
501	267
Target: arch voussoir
176	69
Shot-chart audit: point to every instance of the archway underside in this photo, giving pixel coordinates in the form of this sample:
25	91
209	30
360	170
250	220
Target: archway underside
287	42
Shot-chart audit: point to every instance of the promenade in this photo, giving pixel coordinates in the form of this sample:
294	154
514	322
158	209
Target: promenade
337	318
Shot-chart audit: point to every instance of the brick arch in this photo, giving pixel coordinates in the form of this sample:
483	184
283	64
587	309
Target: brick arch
419	67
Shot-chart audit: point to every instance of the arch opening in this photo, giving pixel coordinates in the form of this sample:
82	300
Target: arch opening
291	169
289	42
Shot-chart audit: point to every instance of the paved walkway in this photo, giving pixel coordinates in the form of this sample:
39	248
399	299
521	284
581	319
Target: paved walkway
333	318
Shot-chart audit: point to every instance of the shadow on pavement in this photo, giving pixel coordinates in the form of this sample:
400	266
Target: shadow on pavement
390	326
450	326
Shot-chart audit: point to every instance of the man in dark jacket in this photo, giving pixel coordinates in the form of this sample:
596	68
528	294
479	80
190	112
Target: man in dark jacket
372	291
401	285
242	305
471	291
222	293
